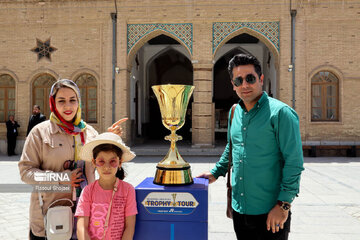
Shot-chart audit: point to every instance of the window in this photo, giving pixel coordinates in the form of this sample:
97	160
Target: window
325	97
7	97
41	90
88	89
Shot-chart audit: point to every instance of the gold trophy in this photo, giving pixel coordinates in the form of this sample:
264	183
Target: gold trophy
173	101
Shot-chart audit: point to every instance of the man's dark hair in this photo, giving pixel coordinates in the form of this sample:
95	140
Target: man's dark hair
244	59
37	106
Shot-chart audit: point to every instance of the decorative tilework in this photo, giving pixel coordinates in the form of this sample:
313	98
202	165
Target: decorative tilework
183	32
43	49
270	30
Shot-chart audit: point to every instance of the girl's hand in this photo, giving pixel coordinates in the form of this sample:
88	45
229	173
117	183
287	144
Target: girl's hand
129	228
115	128
82	228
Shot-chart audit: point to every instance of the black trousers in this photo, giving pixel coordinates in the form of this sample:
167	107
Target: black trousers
11	145
253	227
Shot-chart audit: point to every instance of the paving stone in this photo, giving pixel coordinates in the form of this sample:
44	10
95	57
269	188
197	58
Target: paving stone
328	206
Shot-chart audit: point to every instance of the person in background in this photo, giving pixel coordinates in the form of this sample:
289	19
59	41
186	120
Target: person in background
267	157
35	118
12	133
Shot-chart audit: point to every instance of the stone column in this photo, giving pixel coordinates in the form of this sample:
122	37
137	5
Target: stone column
123	102
203	134
123	81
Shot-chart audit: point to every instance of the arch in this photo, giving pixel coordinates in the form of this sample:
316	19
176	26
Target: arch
81	71
11	73
223	95
162	52
87	84
7	96
133	49
247	41
40	71
40	93
169	65
7	80
217	58
37	78
321	101
273	57
165	50
328	68
255	33
153	67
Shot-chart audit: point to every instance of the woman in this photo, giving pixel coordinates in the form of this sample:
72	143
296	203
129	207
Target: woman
53	145
12	133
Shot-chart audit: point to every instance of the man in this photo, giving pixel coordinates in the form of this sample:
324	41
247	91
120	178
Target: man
267	156
35	119
12	133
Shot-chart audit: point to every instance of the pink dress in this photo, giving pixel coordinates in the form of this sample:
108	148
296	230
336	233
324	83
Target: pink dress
94	203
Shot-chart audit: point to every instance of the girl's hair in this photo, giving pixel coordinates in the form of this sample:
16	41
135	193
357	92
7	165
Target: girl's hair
110	148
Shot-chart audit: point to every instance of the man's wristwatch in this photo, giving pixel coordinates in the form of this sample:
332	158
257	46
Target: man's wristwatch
284	205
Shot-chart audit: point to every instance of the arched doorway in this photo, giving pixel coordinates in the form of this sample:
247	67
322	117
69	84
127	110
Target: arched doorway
161	60
7	97
87	84
41	89
224	96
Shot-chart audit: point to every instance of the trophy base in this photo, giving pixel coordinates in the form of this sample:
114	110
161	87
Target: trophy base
173	176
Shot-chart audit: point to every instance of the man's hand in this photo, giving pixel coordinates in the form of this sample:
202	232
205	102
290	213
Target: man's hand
115	128
207	175
276	219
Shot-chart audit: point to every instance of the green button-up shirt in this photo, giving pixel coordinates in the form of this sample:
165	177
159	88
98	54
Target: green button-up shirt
267	156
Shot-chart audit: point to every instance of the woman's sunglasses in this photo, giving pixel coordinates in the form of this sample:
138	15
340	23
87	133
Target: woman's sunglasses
250	78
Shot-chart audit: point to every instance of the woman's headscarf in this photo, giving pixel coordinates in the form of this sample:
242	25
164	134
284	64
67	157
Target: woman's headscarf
78	125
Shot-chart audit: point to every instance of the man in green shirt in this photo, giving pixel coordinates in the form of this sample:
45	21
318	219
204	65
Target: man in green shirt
266	153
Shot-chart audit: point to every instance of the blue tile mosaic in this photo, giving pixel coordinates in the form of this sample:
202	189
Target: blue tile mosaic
182	31
270	30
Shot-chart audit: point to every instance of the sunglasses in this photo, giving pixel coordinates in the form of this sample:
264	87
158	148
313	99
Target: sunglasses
250	78
101	162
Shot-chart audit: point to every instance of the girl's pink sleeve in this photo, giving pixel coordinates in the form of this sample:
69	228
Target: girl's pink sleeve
84	204
131	208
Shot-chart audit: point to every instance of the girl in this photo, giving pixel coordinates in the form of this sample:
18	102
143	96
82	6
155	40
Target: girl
107	207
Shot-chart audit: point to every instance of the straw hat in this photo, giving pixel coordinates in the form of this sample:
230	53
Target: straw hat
86	152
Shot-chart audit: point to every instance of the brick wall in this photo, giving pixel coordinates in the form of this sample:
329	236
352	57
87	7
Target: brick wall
327	34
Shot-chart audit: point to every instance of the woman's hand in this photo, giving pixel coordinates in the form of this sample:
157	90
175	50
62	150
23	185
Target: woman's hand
75	177
115	128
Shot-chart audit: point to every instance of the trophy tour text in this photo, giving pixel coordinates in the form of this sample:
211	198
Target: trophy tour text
170	203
